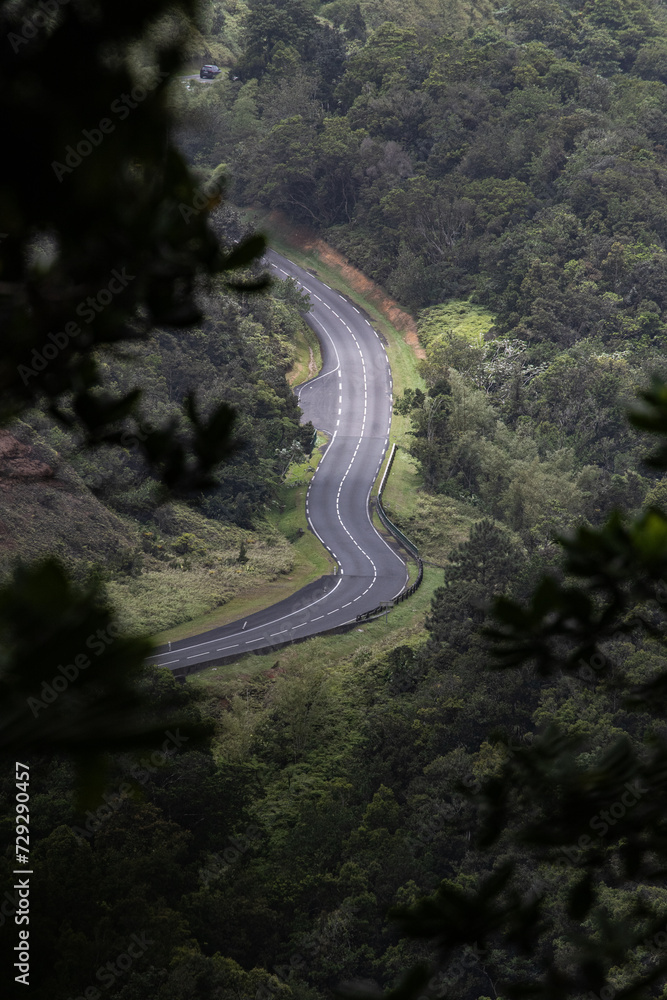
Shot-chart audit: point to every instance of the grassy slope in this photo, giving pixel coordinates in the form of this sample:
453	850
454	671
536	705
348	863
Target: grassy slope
171	565
197	583
308	357
463	318
309	560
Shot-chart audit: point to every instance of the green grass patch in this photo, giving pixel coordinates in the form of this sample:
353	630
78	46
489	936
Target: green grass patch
435	524
303	472
403	486
308	356
463	318
413	568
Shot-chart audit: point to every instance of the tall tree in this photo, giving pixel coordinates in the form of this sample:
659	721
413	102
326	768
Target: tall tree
271	23
489	556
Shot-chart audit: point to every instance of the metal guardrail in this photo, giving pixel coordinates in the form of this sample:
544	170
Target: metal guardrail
402	539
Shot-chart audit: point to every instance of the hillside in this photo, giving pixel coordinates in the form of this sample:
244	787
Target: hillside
102	513
46	509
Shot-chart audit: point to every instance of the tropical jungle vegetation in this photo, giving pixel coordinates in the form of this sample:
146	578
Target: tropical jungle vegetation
470	806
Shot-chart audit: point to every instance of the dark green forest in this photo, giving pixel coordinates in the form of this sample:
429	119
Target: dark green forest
473	808
513	163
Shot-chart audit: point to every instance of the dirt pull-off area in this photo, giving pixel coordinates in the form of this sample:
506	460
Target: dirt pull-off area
303	239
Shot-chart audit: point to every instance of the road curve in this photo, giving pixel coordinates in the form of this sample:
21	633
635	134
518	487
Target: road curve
351	401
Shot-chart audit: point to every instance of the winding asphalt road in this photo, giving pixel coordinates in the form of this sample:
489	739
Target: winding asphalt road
351	401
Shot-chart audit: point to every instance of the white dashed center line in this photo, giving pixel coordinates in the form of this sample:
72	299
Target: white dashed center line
339	490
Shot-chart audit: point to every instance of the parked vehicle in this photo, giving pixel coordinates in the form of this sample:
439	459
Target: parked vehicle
208	72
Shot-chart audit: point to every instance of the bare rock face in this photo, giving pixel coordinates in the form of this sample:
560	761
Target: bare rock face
18	462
